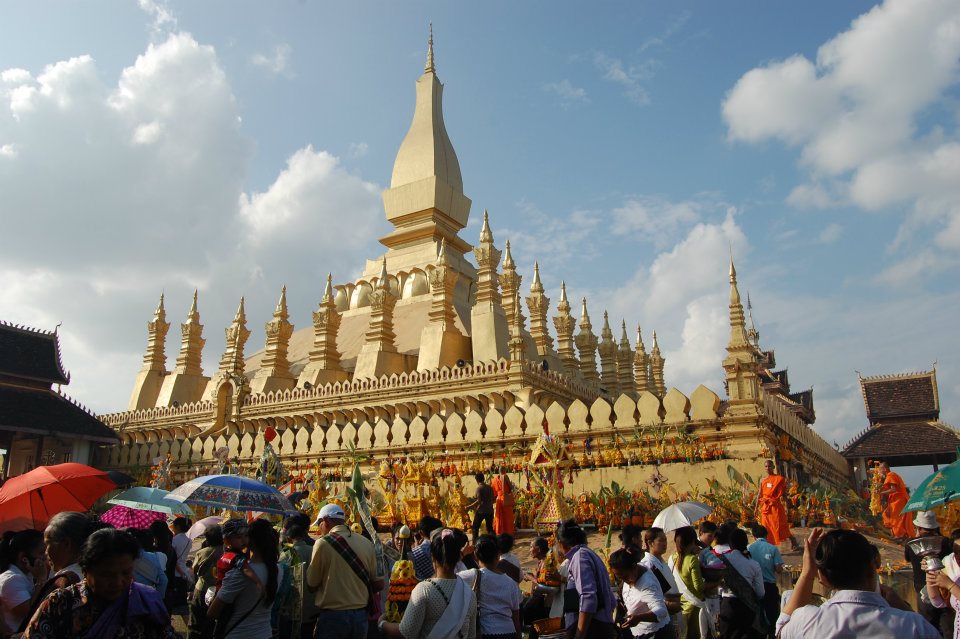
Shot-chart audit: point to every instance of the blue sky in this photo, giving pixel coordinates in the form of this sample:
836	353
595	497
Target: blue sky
240	146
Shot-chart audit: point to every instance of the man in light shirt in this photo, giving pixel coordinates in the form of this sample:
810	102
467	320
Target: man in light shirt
181	545
771	563
842	561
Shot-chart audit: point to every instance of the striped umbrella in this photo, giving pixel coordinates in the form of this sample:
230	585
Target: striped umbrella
123	517
237	493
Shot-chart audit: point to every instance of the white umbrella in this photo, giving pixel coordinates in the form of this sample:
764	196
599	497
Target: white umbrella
680	515
201	526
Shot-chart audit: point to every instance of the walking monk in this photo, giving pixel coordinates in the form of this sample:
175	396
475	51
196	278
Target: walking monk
897	497
773	511
503	508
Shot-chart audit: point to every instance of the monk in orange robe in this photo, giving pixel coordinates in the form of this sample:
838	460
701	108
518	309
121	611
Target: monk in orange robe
772	509
899	522
503	508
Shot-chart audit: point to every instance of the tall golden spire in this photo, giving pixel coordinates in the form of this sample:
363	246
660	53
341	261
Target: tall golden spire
324	365
539	305
378	355
753	333
564	323
656	368
625	361
489	331
191	342
587	345
738	330
236	334
425	200
155	357
510	284
641	366
608	358
274	372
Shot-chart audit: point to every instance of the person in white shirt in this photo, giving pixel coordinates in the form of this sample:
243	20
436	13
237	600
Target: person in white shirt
741	596
498	598
842	561
23	565
181	546
647	616
655	543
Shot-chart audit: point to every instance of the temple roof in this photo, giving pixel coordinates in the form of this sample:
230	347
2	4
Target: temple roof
31	354
44	411
908	443
912	395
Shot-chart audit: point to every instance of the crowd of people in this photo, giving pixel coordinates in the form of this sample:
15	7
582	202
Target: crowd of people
248	580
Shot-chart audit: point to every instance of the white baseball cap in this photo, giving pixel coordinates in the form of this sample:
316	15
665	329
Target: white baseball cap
330	511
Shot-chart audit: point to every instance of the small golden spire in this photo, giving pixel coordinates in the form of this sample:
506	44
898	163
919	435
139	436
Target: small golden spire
507	257
193	314
536	286
563	291
584	316
328	290
241	315
282	304
442	252
486	236
429	68
382	280
623	334
160	312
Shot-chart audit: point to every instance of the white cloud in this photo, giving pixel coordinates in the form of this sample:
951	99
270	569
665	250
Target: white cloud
116	192
358	149
857	113
568	93
830	233
163	20
629	76
659	220
276	62
925	263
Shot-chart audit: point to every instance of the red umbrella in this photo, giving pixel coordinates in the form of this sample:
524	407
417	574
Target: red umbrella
31	499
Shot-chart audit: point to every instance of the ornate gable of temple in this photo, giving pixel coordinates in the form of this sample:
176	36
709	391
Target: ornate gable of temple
441	346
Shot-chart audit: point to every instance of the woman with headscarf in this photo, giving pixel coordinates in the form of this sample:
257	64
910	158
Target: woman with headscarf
442	607
108	603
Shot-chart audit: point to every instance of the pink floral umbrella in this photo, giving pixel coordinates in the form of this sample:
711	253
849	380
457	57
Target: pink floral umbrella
124	517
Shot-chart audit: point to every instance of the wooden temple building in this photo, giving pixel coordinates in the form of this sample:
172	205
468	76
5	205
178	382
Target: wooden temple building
438	348
40	425
903	412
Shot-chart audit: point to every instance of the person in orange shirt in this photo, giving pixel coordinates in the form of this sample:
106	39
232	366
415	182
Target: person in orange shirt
772	509
897	497
503	508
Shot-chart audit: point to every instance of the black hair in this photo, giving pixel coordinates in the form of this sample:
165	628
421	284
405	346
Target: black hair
144	539
845	558
479	478
445	548
266	542
759	530
629	532
69	526
300	519
96	525
428	524
707	527
650	535
487	550
725	531
107	543
682	539
570	533
162	535
505	541
626	558
213	536
542	544
296	531
739	541
16	543
181	524
955	535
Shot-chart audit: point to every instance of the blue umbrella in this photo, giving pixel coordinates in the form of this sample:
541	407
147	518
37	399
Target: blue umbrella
235	492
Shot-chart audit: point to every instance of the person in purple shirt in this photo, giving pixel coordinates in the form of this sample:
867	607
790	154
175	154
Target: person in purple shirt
588	600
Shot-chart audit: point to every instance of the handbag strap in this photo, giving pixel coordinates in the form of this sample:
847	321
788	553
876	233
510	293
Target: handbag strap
245	615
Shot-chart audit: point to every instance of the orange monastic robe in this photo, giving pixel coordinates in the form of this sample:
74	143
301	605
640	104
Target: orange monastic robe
503	507
898	522
773	512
